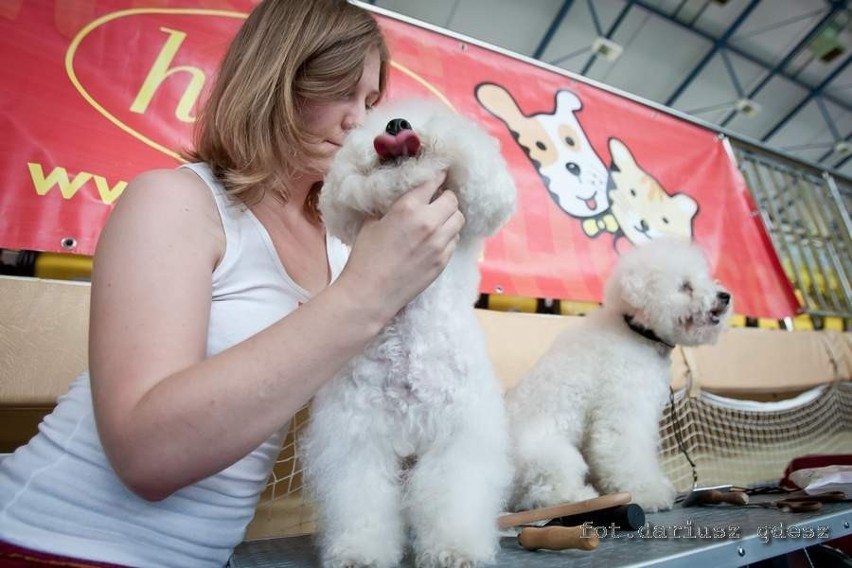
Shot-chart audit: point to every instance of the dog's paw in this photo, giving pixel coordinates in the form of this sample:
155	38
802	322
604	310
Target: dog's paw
655	497
348	562
344	563
447	559
352	558
580	494
538	496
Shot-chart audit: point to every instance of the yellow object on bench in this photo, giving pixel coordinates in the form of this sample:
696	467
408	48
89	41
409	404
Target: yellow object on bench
63	266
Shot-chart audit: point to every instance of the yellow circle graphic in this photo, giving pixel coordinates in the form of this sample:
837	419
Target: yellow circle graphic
95	24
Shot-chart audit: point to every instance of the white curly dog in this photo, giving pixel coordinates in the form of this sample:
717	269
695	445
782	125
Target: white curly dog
412	434
585	418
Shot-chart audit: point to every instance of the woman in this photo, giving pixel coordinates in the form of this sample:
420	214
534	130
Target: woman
198	355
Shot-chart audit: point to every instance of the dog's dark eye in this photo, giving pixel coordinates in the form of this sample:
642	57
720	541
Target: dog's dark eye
632	192
569	141
686	287
540	145
666	220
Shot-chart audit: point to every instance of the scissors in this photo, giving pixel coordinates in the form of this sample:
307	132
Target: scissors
803	503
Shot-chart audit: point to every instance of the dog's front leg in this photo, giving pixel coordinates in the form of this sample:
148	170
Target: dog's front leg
455	493
549	466
353	473
623	456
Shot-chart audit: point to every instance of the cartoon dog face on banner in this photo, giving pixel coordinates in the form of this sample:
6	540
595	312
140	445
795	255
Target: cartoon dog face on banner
642	208
555	143
624	201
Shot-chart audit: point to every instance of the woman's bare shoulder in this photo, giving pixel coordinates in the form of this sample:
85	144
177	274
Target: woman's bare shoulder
175	184
168	204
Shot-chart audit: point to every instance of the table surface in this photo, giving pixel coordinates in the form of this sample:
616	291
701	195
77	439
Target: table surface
722	535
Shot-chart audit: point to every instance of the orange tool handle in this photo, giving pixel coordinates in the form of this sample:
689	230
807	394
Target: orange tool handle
557	538
732	498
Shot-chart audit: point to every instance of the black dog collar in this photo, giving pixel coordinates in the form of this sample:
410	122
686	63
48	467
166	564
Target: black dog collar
645	332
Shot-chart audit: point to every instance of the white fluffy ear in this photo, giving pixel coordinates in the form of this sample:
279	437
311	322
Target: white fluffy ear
340	219
343	203
491	199
480	175
632	286
503	200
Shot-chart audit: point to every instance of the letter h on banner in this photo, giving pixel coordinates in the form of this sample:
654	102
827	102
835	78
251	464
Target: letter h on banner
160	71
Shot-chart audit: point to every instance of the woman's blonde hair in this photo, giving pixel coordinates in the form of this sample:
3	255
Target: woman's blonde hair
287	52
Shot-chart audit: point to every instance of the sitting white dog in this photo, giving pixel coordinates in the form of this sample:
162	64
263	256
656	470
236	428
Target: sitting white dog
413	432
585	419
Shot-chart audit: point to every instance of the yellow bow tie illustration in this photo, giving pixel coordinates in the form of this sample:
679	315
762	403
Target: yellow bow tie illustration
595	225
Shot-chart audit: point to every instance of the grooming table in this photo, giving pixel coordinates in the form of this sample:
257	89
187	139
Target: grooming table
723	535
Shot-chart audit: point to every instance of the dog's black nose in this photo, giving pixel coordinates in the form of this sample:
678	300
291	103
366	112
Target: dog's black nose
397	125
573	168
724	297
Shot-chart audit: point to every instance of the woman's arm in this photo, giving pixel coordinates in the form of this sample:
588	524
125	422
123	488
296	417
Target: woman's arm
167	416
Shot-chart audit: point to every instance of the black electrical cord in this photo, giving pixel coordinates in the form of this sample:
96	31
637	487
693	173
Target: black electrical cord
679	438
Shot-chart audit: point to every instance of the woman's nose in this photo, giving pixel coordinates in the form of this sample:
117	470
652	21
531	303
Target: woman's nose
354	117
349	122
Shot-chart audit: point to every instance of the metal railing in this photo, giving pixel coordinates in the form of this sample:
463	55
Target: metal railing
806	214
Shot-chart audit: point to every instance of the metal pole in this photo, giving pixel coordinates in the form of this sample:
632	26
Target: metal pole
773	223
732	72
813	93
612	29
733	49
817	219
717	45
551	31
844	259
800	233
778	67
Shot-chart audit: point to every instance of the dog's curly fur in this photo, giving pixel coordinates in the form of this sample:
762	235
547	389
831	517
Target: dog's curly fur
585	419
412	433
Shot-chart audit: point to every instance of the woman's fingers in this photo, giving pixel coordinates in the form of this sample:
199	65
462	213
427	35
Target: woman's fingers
427	197
448	232
405	250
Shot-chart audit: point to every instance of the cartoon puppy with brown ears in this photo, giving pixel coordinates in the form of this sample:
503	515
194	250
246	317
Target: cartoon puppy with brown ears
555	143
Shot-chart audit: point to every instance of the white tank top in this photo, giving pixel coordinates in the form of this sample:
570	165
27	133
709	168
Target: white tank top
59	493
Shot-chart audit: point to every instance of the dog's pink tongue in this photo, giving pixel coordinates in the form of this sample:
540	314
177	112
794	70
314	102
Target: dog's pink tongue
401	145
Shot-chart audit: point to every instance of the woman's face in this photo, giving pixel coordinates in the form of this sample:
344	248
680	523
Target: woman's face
330	121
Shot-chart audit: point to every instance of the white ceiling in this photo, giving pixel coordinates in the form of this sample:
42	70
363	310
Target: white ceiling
680	53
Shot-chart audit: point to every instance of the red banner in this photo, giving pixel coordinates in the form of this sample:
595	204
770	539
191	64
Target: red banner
97	91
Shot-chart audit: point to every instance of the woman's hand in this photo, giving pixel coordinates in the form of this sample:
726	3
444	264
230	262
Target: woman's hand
396	257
